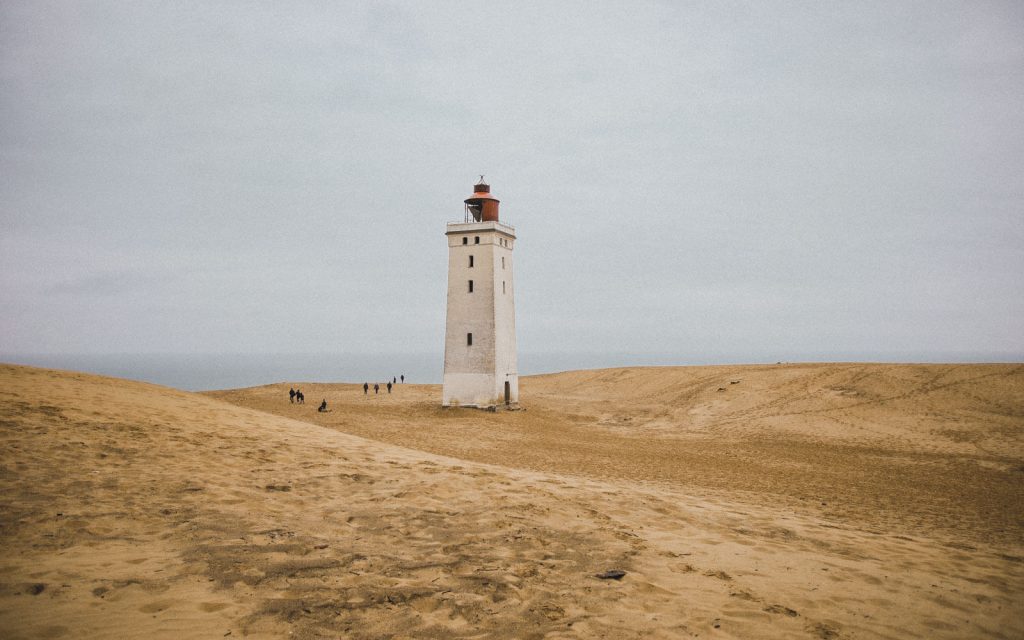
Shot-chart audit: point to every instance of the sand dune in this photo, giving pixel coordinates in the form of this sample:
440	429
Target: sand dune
901	447
818	501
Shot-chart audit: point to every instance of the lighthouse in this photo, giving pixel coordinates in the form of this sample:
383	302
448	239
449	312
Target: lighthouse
480	331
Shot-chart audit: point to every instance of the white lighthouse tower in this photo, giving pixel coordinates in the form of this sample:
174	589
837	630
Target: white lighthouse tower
480	335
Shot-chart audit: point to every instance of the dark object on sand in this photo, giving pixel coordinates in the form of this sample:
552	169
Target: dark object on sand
612	574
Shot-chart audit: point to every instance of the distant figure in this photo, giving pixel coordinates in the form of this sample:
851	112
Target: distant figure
299	398
403	378
291	395
366	388
376	388
323	406
389	387
394	380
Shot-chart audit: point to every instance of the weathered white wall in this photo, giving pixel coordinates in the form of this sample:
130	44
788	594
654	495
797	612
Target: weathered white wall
505	360
475	375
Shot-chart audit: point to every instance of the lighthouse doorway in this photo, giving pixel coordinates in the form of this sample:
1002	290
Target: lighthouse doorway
508	392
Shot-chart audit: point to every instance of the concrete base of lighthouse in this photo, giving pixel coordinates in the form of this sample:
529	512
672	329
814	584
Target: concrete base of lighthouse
480	390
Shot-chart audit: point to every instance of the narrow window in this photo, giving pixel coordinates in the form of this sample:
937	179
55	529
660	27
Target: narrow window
470	262
471	286
469	339
503	286
465	239
502	262
476	240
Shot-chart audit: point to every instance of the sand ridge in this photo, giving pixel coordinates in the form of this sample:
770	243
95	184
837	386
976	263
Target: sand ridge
132	510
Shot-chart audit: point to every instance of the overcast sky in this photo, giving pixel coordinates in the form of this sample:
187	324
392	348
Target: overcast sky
751	179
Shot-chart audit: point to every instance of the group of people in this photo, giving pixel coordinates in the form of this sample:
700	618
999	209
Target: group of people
376	386
295	395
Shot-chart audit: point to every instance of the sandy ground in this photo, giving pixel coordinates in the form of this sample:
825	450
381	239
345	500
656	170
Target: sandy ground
789	501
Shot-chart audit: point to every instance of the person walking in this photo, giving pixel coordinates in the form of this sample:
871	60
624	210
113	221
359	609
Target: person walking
376	388
366	388
394	380
403	378
291	395
389	387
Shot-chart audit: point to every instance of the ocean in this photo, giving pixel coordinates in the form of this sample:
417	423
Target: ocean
204	372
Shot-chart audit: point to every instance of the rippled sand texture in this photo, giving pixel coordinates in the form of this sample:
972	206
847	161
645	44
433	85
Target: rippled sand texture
814	501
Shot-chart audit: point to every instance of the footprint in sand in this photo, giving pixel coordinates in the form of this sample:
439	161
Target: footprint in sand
778	608
824	631
156	607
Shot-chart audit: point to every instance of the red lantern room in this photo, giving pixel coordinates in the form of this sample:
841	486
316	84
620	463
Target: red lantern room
482	205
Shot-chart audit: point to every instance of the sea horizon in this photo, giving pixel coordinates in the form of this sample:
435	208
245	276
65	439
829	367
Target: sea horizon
213	371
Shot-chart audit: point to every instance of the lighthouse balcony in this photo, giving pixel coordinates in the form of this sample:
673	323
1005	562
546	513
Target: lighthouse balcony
491	225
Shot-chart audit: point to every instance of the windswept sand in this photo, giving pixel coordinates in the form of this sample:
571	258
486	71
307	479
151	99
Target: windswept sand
814	501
